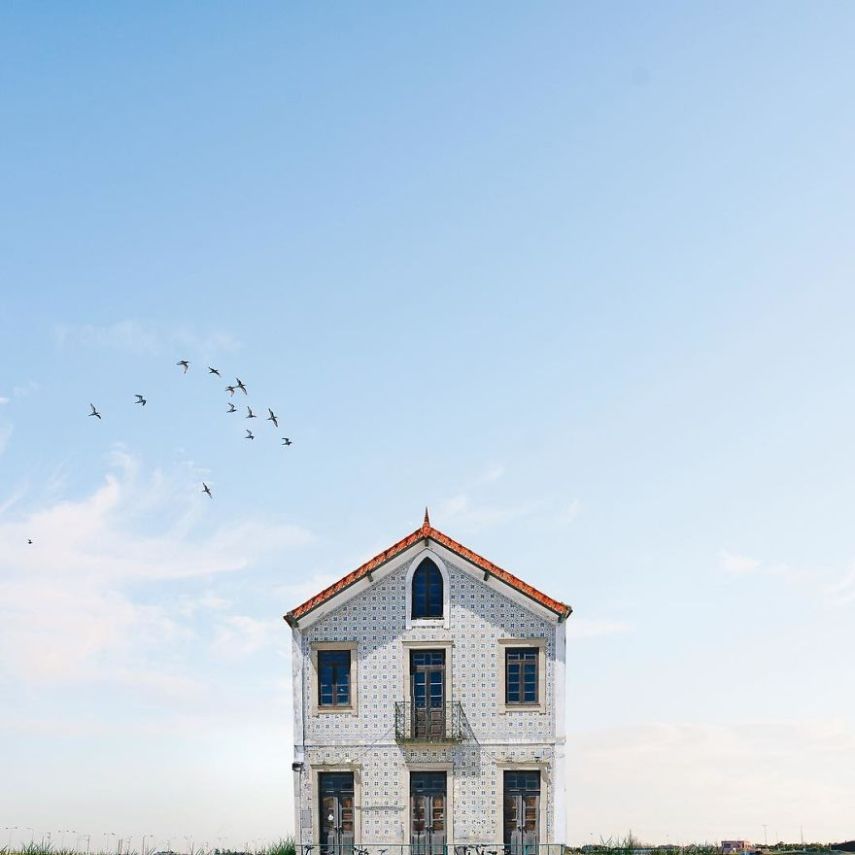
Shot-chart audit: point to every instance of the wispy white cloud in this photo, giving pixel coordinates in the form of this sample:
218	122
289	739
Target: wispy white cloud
53	631
11	500
834	588
462	511
4	400
238	636
206	602
5	436
73	604
743	565
24	390
731	562
292	594
842	592
569	514
492	473
141	339
102	534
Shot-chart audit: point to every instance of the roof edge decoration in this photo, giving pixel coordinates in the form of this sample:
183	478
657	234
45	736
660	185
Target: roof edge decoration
427	532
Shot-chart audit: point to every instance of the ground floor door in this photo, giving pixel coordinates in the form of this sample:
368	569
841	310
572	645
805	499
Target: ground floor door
522	812
428	820
336	812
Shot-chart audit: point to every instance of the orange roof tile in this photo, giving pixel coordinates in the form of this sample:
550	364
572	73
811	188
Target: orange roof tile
426	531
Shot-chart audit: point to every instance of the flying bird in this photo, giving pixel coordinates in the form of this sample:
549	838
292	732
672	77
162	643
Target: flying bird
29	540
213	371
239	385
232	409
286	441
250	414
94	411
184	364
140	400
249	435
230	390
272	418
207	489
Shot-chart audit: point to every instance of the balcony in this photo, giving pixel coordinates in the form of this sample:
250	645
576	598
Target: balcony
419	723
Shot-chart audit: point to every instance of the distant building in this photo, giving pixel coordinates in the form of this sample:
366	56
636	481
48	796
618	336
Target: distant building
733	846
429	705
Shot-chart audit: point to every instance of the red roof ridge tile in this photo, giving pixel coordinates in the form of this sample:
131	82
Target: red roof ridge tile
426	532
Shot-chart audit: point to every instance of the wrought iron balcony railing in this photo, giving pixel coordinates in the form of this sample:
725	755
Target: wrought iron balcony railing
421	723
434	848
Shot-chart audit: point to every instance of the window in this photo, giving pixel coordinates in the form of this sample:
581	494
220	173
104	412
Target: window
521	678
334	678
521	675
427	593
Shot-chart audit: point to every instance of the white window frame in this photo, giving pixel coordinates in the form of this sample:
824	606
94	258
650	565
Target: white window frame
445	620
314	678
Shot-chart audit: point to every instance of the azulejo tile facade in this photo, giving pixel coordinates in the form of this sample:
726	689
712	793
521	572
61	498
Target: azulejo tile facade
429	705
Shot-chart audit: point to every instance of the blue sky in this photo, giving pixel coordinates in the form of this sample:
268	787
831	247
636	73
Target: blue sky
579	277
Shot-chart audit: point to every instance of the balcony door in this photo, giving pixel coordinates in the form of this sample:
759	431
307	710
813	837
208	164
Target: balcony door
522	812
427	693
428	819
336	812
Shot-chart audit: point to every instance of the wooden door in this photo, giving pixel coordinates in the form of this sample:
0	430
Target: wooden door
336	813
427	694
428	821
522	812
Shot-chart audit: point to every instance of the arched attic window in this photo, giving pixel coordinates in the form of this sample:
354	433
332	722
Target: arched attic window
427	591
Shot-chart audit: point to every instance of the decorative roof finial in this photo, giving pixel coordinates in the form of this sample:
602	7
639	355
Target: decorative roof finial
426	523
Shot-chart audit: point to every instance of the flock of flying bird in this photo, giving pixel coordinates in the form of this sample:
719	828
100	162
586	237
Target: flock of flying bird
231	389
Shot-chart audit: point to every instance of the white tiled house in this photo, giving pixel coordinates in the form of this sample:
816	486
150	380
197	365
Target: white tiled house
429	705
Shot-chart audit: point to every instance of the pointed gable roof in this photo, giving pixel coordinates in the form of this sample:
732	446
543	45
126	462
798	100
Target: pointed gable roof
427	532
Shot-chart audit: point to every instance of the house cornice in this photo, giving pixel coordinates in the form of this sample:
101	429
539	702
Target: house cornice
426	532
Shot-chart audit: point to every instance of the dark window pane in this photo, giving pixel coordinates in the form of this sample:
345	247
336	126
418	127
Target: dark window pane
522	782
427	782
334	678
427	591
521	677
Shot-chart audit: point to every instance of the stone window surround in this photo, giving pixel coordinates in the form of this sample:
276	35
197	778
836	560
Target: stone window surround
314	803
543	768
540	645
314	706
445	620
445	644
446	767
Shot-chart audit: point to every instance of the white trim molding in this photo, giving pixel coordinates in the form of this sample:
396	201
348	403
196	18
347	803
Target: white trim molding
299	732
493	582
445	621
559	666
